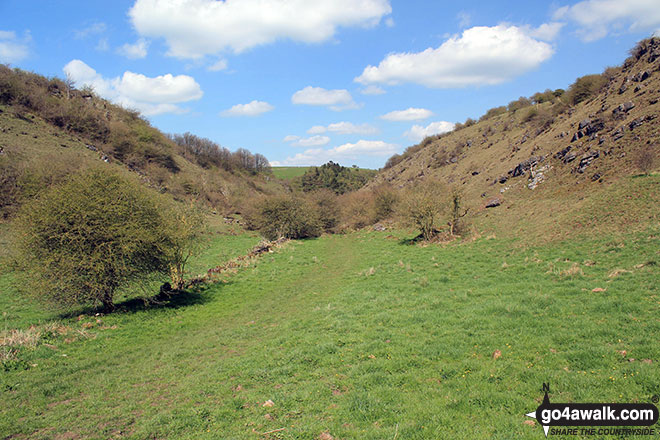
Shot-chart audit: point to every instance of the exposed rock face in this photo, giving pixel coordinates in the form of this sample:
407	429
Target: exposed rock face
586	160
524	166
538	176
622	109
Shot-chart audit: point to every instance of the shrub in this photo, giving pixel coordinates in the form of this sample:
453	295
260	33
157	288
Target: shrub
285	216
585	88
645	160
518	104
358	209
392	161
422	205
81	241
491	113
327	208
385	201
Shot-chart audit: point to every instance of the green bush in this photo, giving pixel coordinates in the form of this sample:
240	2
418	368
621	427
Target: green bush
585	88
422	206
81	241
284	217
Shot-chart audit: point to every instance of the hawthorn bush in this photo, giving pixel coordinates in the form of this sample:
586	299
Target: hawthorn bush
81	241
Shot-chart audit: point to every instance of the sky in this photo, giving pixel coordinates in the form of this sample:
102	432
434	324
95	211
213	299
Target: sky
307	81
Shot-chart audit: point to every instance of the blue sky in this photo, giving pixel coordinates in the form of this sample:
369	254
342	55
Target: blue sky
307	81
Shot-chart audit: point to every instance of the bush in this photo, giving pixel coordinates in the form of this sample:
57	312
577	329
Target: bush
81	241
392	161
491	113
358	209
585	88
284	217
645	160
385	201
423	205
327	208
518	104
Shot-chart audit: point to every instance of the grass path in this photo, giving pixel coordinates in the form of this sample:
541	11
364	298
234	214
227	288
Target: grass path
361	337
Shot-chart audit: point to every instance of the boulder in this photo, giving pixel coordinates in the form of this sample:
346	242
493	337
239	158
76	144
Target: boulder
493	203
584	123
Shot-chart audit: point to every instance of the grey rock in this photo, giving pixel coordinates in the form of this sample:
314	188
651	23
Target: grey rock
493	203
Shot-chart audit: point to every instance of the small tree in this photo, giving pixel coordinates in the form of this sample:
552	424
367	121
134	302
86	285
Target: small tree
185	225
81	241
457	213
285	217
423	205
645	160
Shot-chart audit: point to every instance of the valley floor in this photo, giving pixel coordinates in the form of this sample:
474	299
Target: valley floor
357	336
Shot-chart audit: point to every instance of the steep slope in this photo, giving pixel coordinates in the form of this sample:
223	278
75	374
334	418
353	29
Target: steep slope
554	167
49	130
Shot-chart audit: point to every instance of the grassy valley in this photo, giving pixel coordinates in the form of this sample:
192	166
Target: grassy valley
348	324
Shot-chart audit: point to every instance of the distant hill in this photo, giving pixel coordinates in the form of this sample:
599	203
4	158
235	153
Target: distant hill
557	162
48	130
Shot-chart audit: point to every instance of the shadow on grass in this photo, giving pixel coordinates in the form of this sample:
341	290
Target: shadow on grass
164	300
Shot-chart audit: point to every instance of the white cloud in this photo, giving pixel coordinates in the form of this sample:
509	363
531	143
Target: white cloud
151	96
596	18
373	90
411	114
464	19
346	128
389	22
314	141
12	48
254	108
317	129
134	51
219	65
546	32
417	132
92	29
479	56
195	28
346	153
336	100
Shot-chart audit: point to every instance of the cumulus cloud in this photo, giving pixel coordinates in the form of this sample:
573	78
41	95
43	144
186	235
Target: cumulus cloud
346	153
411	114
418	132
254	108
134	51
195	28
12	48
596	18
479	56
337	100
344	128
151	96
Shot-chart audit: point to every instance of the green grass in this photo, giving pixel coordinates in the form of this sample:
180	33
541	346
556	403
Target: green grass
357	335
289	173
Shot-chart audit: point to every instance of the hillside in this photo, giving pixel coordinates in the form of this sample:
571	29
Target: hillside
49	129
555	165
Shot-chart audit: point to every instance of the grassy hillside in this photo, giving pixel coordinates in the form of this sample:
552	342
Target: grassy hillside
48	130
559	166
289	173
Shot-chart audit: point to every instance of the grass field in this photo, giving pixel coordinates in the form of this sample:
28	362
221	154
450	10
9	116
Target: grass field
359	336
289	173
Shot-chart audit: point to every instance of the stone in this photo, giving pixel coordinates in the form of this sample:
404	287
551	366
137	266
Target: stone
570	157
493	203
595	177
641	76
584	123
503	179
561	154
636	123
